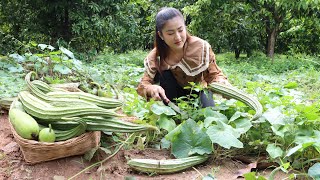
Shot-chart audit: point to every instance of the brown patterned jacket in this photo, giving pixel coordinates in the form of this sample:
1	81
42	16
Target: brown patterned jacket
197	65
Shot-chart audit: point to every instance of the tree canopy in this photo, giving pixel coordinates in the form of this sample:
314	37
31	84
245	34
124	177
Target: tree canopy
242	26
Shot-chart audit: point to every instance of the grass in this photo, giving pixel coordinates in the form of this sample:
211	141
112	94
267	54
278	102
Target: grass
297	68
125	70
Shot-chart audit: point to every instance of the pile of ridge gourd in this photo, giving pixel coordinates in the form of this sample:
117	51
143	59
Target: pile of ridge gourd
49	114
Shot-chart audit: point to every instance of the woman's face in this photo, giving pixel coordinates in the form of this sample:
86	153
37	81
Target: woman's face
174	33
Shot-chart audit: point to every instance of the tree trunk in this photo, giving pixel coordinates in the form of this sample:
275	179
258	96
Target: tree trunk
237	53
249	53
271	42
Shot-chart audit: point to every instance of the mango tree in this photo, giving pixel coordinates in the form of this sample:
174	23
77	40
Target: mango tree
276	15
227	25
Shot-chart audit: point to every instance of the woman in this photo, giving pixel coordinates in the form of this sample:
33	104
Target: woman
177	59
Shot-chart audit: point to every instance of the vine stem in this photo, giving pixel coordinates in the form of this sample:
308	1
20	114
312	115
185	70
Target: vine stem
198	172
102	161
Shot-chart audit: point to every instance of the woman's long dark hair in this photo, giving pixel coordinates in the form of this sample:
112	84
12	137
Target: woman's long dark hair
165	14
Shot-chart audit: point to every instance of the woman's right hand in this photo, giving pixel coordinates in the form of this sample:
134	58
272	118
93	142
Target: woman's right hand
156	92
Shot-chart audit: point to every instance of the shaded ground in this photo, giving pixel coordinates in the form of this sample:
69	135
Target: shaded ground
12	165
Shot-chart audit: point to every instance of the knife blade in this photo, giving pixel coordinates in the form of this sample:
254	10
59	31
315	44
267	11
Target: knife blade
183	114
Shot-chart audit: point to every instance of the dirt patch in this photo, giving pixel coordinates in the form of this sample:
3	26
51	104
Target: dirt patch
13	166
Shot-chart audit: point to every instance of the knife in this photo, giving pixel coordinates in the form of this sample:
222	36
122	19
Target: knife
184	115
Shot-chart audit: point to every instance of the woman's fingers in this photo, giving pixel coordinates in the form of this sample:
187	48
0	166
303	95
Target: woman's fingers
164	97
159	94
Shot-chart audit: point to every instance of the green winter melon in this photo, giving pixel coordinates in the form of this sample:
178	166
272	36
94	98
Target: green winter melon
47	135
24	124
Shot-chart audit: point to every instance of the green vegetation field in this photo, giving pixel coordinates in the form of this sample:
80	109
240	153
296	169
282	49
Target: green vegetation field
288	131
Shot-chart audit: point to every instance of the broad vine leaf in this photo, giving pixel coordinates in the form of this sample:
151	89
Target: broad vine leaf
274	116
242	125
18	69
67	52
89	154
280	130
237	115
140	114
166	123
165	144
18	58
162	109
291	85
305	139
215	116
192	140
311	112
61	69
274	151
253	176
172	135
45	46
293	150
224	135
77	64
314	171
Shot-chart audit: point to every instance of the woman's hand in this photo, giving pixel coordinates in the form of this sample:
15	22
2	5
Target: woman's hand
156	92
225	82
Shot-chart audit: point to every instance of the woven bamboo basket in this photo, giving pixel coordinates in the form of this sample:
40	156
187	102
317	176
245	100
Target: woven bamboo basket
37	152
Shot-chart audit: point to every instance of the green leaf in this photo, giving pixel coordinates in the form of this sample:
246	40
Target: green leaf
209	177
314	171
18	69
274	116
166	123
77	64
165	144
250	176
45	46
192	140
67	52
18	58
159	109
280	130
215	116
309	139
174	133
243	125
61	69
253	176
224	135
89	154
274	151
291	85
293	150
235	116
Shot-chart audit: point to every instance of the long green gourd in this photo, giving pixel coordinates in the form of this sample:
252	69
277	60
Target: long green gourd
232	92
62	135
95	123
165	166
44	87
81	97
42	110
104	102
41	95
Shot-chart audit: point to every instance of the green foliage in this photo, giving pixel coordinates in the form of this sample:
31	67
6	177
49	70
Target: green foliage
190	139
288	132
302	37
231	26
314	171
90	27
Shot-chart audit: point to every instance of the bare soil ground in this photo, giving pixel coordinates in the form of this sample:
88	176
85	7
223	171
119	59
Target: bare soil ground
13	166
